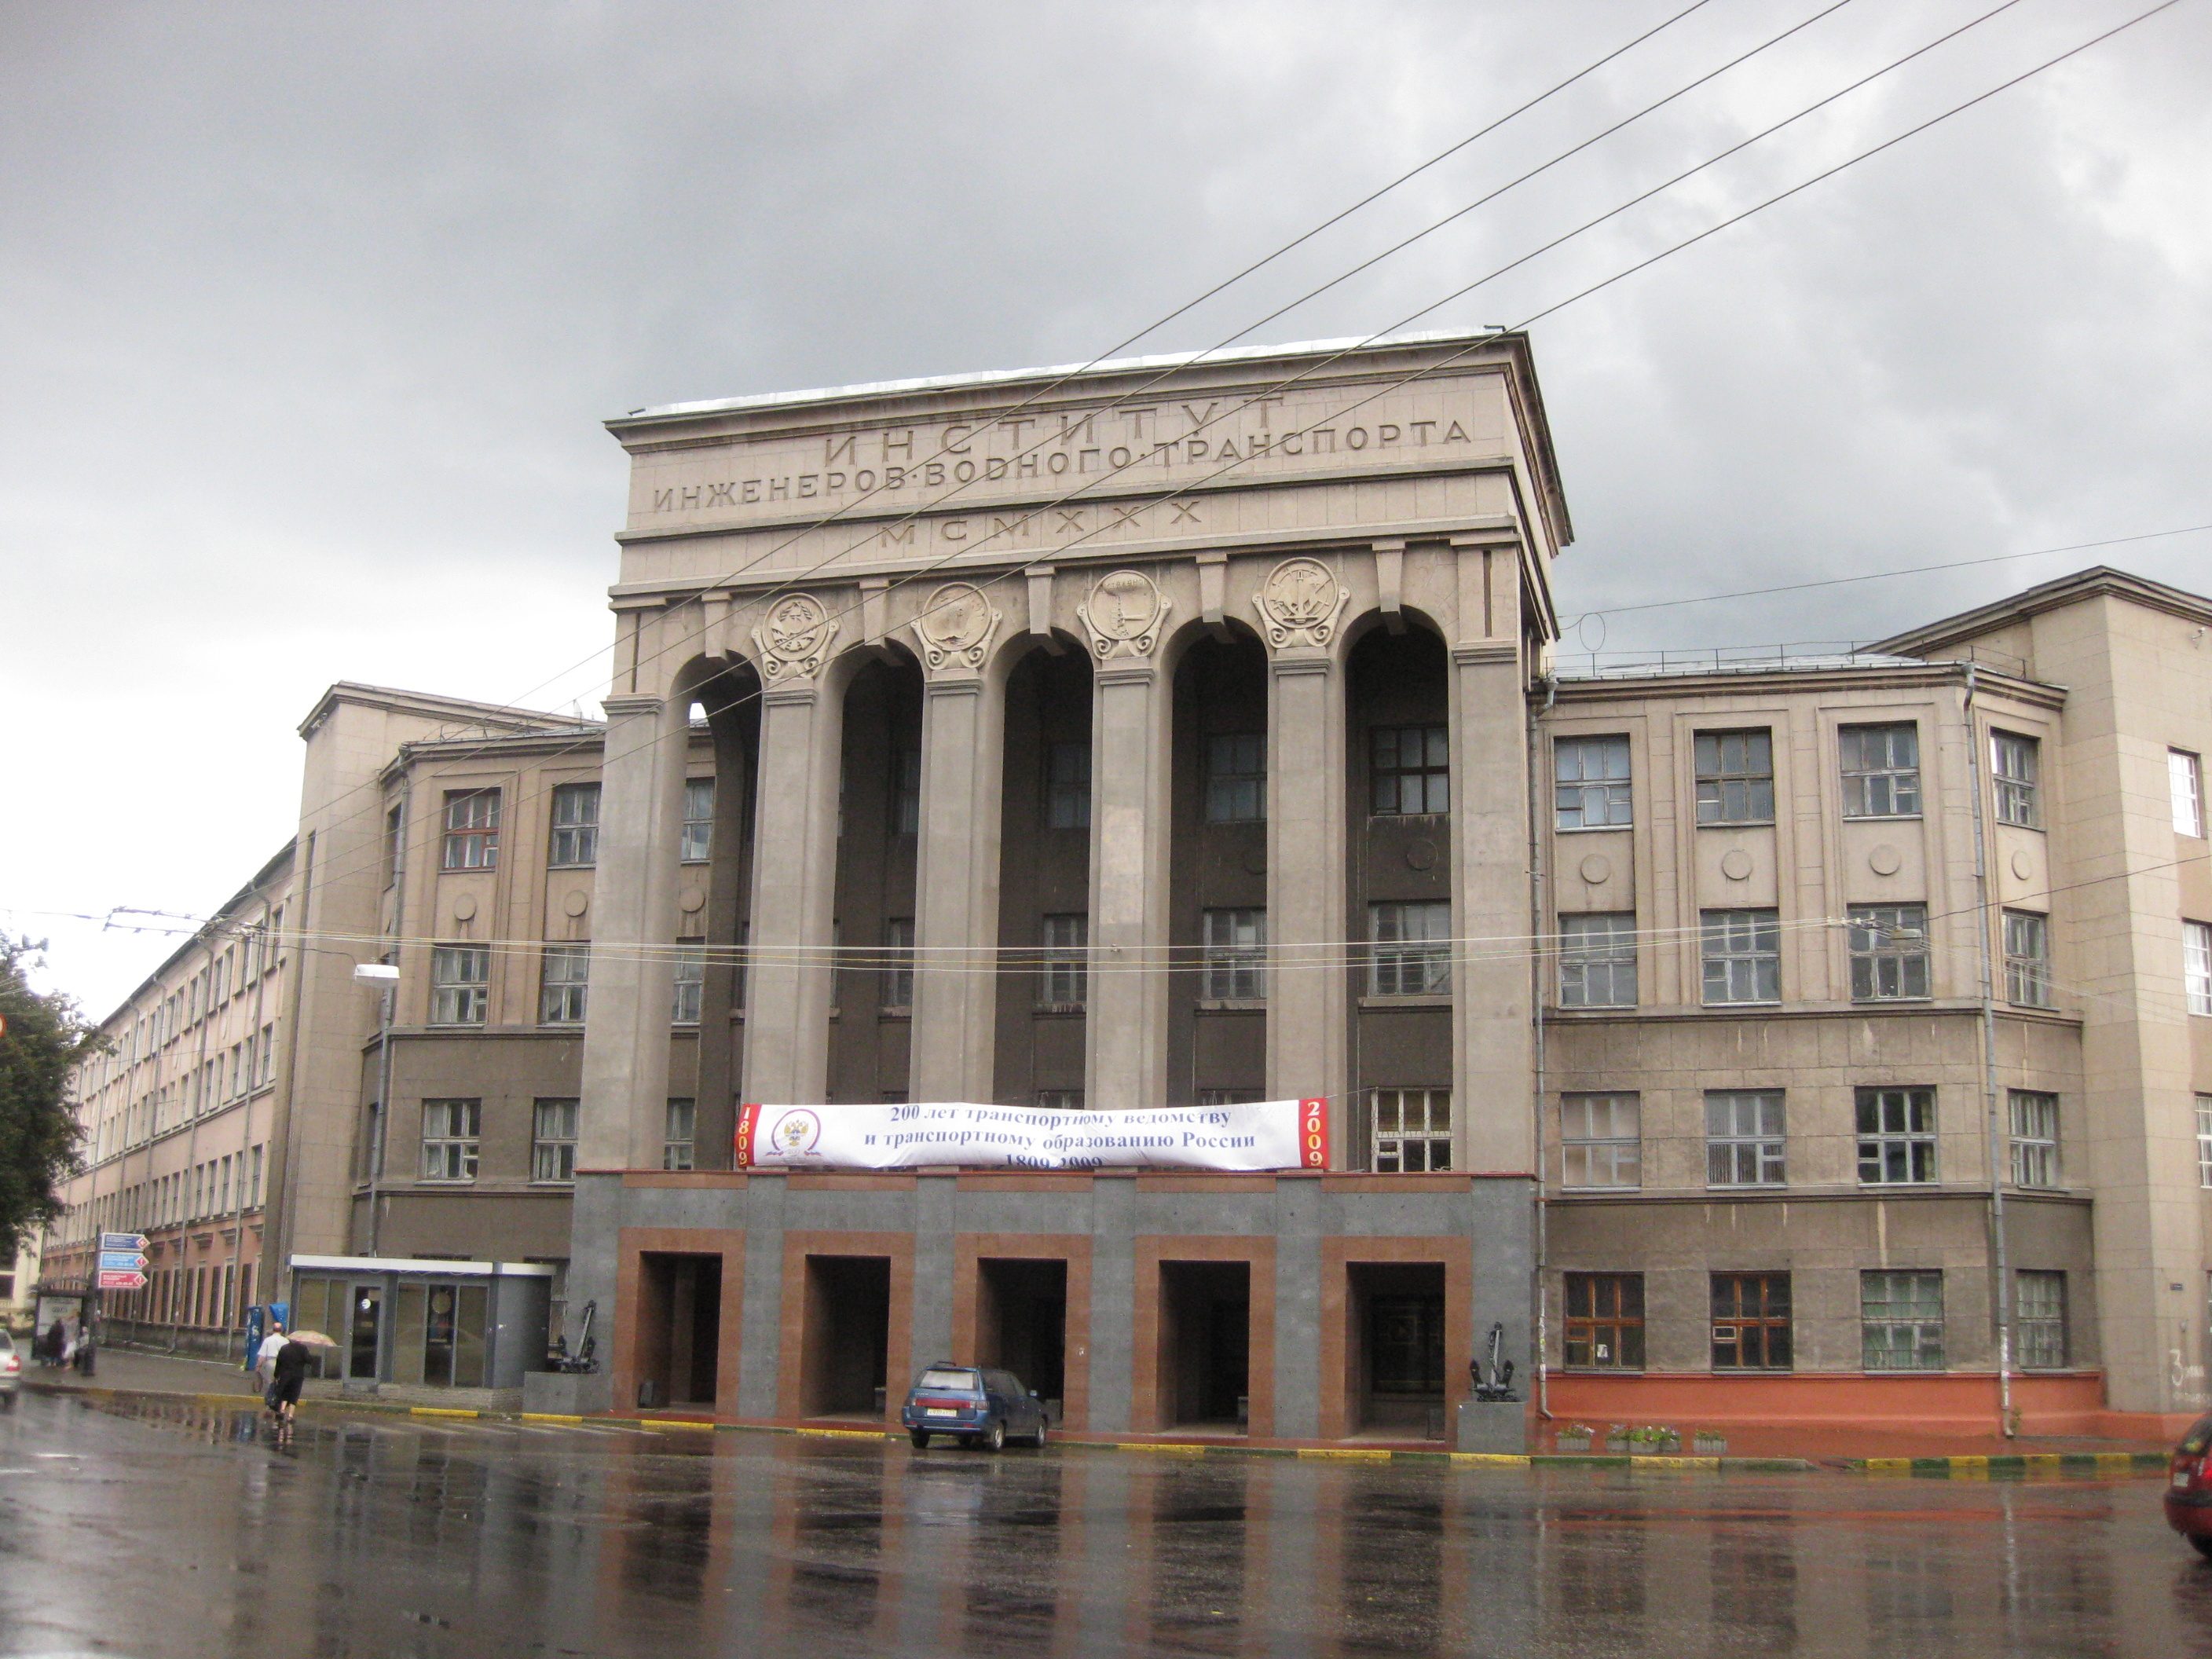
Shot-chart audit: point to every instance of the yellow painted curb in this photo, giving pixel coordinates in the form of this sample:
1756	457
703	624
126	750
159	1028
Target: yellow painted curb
1149	1446
1489	1459
1345	1454
1701	1465
550	1416
441	1411
679	1423
819	1434
2043	1462
2115	1463
1889	1466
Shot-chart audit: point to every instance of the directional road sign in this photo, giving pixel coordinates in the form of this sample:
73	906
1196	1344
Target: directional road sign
119	1280
121	1262
123	1241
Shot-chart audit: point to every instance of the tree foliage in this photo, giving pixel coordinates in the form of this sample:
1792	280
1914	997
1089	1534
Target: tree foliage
46	1036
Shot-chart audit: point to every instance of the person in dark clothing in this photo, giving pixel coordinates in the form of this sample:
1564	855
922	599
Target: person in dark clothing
289	1375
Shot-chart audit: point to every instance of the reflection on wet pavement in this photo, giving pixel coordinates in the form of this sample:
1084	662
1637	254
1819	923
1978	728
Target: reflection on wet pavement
144	1528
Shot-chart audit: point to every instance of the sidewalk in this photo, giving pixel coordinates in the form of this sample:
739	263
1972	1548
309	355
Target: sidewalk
147	1373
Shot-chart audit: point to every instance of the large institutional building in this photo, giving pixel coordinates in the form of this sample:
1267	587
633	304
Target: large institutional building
1761	1039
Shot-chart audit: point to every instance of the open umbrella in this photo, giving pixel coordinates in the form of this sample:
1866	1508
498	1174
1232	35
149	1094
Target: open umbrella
314	1338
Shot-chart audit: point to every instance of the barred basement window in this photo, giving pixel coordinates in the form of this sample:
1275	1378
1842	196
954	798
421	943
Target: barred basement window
1409	770
898	962
553	1141
1746	1141
1882	770
1591	782
2027	959
1064	973
1735	777
2034	1138
1751	1321
1901	1320
575	826
690	992
461	984
1600	1141
1889	952
1896	1137
678	1134
2014	765
450	1133
1412	1130
471	829
1067	785
698	845
1597	960
564	978
1236	962
2040	1320
1604	1328
1742	951
1237	777
1411	955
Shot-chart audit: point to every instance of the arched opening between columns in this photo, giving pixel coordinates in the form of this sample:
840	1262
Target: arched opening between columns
879	825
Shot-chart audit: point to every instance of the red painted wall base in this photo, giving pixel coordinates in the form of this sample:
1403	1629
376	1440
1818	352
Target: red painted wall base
1954	1402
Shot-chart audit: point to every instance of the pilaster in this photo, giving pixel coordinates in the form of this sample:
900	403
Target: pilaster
1309	1010
1127	1064
957	889
789	969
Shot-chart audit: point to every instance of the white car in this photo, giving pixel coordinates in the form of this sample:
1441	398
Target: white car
11	1370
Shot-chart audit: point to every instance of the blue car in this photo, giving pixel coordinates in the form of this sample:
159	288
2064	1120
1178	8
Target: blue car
976	1406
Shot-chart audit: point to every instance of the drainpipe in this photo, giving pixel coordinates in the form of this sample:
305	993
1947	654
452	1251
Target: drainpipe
1992	1129
1536	1003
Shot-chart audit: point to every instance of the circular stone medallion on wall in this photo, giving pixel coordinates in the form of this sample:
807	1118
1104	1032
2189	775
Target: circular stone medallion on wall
1421	855
1736	864
464	906
575	904
2023	866
1885	860
691	900
1255	862
1597	869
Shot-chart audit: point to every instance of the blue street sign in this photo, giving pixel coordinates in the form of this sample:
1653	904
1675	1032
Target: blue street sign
123	1241
121	1262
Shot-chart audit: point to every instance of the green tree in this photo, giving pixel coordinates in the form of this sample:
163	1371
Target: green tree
45	1036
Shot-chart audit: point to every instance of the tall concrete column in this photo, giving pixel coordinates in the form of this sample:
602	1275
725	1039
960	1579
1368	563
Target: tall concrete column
1308	1015
789	973
1127	1065
957	889
622	1119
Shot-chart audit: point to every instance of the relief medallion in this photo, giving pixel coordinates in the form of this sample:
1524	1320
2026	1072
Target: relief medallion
794	637
1299	604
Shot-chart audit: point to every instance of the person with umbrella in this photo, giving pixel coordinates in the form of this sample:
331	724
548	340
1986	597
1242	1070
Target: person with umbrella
288	1375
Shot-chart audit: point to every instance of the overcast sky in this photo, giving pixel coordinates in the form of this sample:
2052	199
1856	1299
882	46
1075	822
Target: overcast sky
309	316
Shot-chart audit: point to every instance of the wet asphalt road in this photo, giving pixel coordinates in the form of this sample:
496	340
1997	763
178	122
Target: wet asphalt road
170	1529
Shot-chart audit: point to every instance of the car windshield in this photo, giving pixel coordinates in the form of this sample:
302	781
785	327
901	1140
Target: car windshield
7	1343
965	1382
2199	1437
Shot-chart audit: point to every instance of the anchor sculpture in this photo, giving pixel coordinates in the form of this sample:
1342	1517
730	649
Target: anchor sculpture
1493	1380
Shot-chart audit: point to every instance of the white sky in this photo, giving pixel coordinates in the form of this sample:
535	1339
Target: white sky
309	317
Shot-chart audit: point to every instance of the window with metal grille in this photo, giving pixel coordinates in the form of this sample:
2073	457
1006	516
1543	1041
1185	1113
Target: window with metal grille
1409	769
1746	1140
1897	1136
905	791
1237	777
898	962
2034	1138
690	991
2197	965
1067	785
2027	959
1751	1321
1411	952
1742	955
563	981
1604	1327
679	1133
451	1129
553	1140
1889	952
1901	1320
1064	969
1592	783
471	829
1735	777
2185	777
1882	770
575	826
1601	1141
1412	1130
461	983
697	843
2039	1329
1597	960
1235	959
2014	765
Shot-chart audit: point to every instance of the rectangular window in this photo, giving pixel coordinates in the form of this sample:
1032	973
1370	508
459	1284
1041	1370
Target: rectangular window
1409	769
2204	1140
461	984
1236	962
1604	1323
905	791
1597	960
2014	765
1237	777
1889	952
1412	1130
1896	1137
1601	1141
1067	785
2027	959
2034	1138
562	986
1228	1096
1735	777
450	1133
1747	1142
553	1141
1064	969
471	829
1882	770
395	851
1743	952
698	841
2038	1328
1751	1321
575	826
690	988
679	1135
1059	1100
1591	780
898	962
1901	1320
2185	777
1412	949
2197	965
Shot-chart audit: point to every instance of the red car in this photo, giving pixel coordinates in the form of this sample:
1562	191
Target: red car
2189	1488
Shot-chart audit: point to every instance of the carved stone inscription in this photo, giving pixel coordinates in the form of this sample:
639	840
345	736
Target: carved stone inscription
794	637
956	627
1123	615
1300	602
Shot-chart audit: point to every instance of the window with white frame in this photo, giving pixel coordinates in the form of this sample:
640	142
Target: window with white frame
563	979
451	1131
1746	1140
1597	960
1411	1128
1896	1137
1411	950
1741	952
1735	777
1600	1141
698	845
553	1141
2197	965
2015	764
1237	777
1901	1320
2204	1140
679	1135
395	850
689	994
2185	777
898	962
461	984
1409	770
1234	966
2027	959
575	826
471	840
1882	770
2034	1138
1068	784
1889	952
1592	783
2038	1328
1064	967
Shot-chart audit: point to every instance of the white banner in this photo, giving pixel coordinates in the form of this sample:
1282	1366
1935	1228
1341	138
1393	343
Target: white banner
1267	1134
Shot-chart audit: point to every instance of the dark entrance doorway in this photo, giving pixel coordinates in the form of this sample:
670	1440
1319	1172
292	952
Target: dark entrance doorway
1397	1361
1206	1342
847	1345
1021	1323
679	1329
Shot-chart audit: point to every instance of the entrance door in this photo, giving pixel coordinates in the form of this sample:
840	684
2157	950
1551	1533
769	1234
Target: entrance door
368	1323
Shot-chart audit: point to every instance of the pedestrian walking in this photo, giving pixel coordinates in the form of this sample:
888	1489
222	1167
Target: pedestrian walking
288	1376
264	1358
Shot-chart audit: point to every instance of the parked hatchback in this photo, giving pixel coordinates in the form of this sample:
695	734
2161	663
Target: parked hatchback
11	1369
974	1405
2189	1487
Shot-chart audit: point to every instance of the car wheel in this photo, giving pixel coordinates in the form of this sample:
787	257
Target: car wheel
2202	1546
920	1437
995	1438
1039	1441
